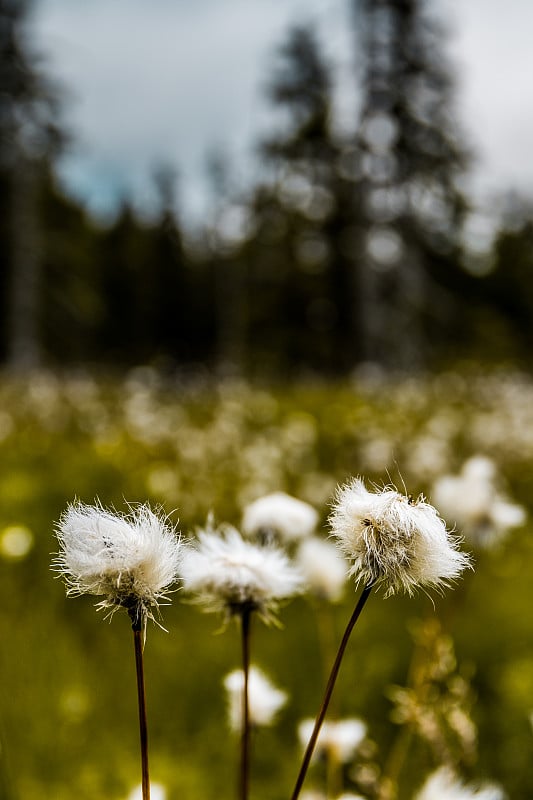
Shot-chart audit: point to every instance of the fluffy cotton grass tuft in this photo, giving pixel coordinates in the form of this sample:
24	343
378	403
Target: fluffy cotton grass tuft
157	792
313	794
323	567
130	560
445	785
350	796
473	500
338	740
393	540
279	515
227	573
264	700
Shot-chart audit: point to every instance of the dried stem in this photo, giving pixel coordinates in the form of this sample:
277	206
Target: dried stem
388	789
329	690
417	681
245	725
138	642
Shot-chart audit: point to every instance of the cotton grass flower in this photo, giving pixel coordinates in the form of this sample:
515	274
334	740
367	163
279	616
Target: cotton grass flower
338	743
157	792
312	794
393	540
444	785
338	740
474	501
323	568
130	560
227	573
350	796
279	515
265	701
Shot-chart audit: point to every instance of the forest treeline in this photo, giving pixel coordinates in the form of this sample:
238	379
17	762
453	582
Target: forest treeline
349	250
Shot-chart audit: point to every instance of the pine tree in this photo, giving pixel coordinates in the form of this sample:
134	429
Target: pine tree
28	136
228	299
305	217
411	159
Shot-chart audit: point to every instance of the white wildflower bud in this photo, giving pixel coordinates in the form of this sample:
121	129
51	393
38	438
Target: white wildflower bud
312	794
225	572
506	515
480	468
280	515
445	785
472	499
305	729
350	796
394	540
344	738
130	560
157	792
324	569
264	700
338	740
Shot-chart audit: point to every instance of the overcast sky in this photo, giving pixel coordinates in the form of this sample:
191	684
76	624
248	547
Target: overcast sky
166	81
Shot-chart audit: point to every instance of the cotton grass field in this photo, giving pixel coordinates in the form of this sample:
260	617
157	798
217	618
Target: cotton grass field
434	679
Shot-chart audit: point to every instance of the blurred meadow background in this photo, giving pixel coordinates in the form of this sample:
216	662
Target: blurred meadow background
341	296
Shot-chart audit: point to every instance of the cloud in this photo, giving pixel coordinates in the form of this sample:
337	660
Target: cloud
491	46
167	81
162	81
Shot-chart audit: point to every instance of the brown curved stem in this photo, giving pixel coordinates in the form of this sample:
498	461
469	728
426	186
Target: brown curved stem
138	641
245	725
329	690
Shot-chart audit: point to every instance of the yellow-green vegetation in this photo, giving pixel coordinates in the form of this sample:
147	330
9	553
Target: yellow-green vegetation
68	721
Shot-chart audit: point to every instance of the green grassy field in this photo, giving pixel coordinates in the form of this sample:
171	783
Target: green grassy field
68	721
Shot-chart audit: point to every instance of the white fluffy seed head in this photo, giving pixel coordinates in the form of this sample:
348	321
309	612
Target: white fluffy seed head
393	540
350	796
445	785
280	514
474	501
157	792
324	569
264	700
339	740
227	573
130	560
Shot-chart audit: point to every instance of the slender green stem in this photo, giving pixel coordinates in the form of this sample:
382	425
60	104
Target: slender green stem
138	641
333	777
245	725
329	690
423	656
388	789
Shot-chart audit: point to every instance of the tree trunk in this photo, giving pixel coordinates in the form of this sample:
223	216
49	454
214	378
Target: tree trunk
24	294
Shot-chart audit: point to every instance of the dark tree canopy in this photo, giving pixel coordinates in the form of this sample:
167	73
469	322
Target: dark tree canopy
411	160
347	250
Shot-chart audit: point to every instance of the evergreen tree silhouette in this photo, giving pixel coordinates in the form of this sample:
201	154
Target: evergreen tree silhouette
28	139
306	217
411	159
